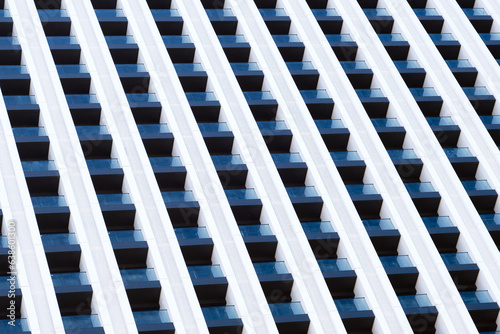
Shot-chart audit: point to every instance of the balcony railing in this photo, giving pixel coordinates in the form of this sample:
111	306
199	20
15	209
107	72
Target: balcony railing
211	271
438	221
270	268
58	239
69	279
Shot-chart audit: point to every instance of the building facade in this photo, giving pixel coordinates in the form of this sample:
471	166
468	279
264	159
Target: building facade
266	166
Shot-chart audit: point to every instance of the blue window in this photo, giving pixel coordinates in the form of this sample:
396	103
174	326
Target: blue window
286	38
329	124
142	98
103	163
345	156
119	39
36	166
286	157
191	233
81	321
92	129
270	268
29	131
317	227
437	221
476	297
219	312
456	258
138	275
414	301
237	194
81	98
222	12
301	192
232	159
294	308
399	261
178	196
440	121
378	224
272	12
351	304
114	199
48	201
402	64
419	187
201	96
264	95
211	271
255	230
476	185
125	236
130	68
442	37
57	239
164	13
457	152
402	154
361	189
153	128
334	265
69	279
151	317
491	219
109	13
165	161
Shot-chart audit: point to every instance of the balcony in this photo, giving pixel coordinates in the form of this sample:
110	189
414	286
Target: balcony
395	45
85	108
390	132
492	222
334	133
366	199
155	321
14	79
106	174
290	47
407	163
118	211
32	143
380	19
274	276
445	130
222	319
374	102
420	312
130	248
245	204
62	251
168	21
462	269
73	292
291	168
179	47
231	170
95	140
328	19
276	19
290	317
479	18
358	72
249	76
350	166
424	196
182	207
482	194
482	308
236	47
344	47
74	324
196	244
145	107
134	77
157	139
318	102
463	71
223	20
356	314
402	273
143	288
75	78
52	213
112	21
492	41
276	134
169	172
463	161
218	137
304	74
481	99
22	109
5	23
428	100
209	283
41	176
446	44
192	76
443	233
411	72
306	202
64	49
322	237
204	105
55	21
260	242
339	277
492	124
384	236
430	19
123	48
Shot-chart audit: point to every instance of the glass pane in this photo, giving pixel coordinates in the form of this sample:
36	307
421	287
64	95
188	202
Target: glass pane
52	13
354	65
476	297
92	130
494	119
165	162
476	185
61	40
385	122
20	325
375	12
48	201
477	91
407	64
102	163
272	125
491	219
188	67
440	121
237	194
458	63
361	189
142	98
270	268
286	157
151	317
126	236
81	321
69	279
351	304
204	96
414	301
457	152
422	92
345	156
391	37
378	224
219	312
219	12
109	13
272	12
153	128
265	95
278	309
191	233
138	275
14	100
232	38
71	68
426	11
29	132
420	187
255	230
178	196
13	69
490	36
234	159
440	221
36	166
334	265
329	124
216	127
81	98
165	13
339	38
324	12
4	13
286	38
402	154
245	66
119	39
442	37
130	68
474	11
300	65
210	271
314	94
399	261
174	39
372	92
456	258
318	227
58	239
114	199
301	192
